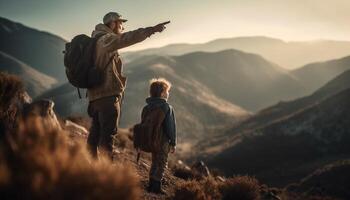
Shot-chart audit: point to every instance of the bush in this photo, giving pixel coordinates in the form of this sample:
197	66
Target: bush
12	97
189	190
10	87
40	163
205	189
240	187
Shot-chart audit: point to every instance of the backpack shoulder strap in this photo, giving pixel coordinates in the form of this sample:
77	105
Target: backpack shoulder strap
79	93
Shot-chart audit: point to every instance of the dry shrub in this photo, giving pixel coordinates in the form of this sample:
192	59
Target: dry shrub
206	189
37	162
10	86
189	190
12	98
240	187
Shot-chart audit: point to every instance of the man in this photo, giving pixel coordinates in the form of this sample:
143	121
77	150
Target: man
105	99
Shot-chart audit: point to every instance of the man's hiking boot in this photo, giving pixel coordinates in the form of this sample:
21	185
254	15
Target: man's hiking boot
158	187
155	187
150	187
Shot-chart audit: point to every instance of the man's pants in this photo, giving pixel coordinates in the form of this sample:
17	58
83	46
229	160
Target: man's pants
105	114
159	161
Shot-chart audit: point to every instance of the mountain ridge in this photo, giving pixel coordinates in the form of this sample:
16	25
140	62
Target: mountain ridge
39	49
291	54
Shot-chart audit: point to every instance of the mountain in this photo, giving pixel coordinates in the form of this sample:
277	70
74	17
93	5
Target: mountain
286	54
38	49
316	74
227	138
240	78
246	79
34	81
293	146
197	108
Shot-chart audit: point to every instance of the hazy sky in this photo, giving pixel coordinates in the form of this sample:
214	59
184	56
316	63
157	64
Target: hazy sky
193	21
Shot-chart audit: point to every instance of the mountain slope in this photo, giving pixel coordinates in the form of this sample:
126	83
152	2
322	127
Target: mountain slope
272	114
206	87
35	82
289	149
316	74
331	180
38	49
247	80
286	54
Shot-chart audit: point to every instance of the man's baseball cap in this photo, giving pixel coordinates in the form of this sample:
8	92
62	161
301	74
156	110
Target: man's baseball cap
113	16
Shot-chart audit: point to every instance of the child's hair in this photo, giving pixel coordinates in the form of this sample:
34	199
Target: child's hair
158	86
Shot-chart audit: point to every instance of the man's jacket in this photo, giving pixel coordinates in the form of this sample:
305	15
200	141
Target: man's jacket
107	59
169	123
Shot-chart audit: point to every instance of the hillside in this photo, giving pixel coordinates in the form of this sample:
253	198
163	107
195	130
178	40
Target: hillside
314	75
286	54
38	49
245	79
225	138
34	81
292	147
331	180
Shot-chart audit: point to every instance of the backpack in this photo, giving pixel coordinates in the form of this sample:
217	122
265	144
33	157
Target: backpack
79	62
148	135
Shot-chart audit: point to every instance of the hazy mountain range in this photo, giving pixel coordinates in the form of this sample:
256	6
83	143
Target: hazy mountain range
288	141
275	113
289	55
197	107
313	75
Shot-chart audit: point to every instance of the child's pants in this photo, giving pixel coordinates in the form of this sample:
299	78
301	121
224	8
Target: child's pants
160	161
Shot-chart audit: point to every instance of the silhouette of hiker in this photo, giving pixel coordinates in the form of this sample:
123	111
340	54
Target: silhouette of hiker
105	99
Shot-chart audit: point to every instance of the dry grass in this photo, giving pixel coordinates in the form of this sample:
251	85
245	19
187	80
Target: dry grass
206	189
10	86
37	162
11	97
241	187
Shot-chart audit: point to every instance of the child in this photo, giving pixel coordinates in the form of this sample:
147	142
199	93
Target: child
159	94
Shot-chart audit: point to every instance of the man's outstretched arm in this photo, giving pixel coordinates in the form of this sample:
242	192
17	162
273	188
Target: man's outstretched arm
123	40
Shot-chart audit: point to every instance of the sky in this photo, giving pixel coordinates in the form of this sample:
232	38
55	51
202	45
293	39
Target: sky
192	21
